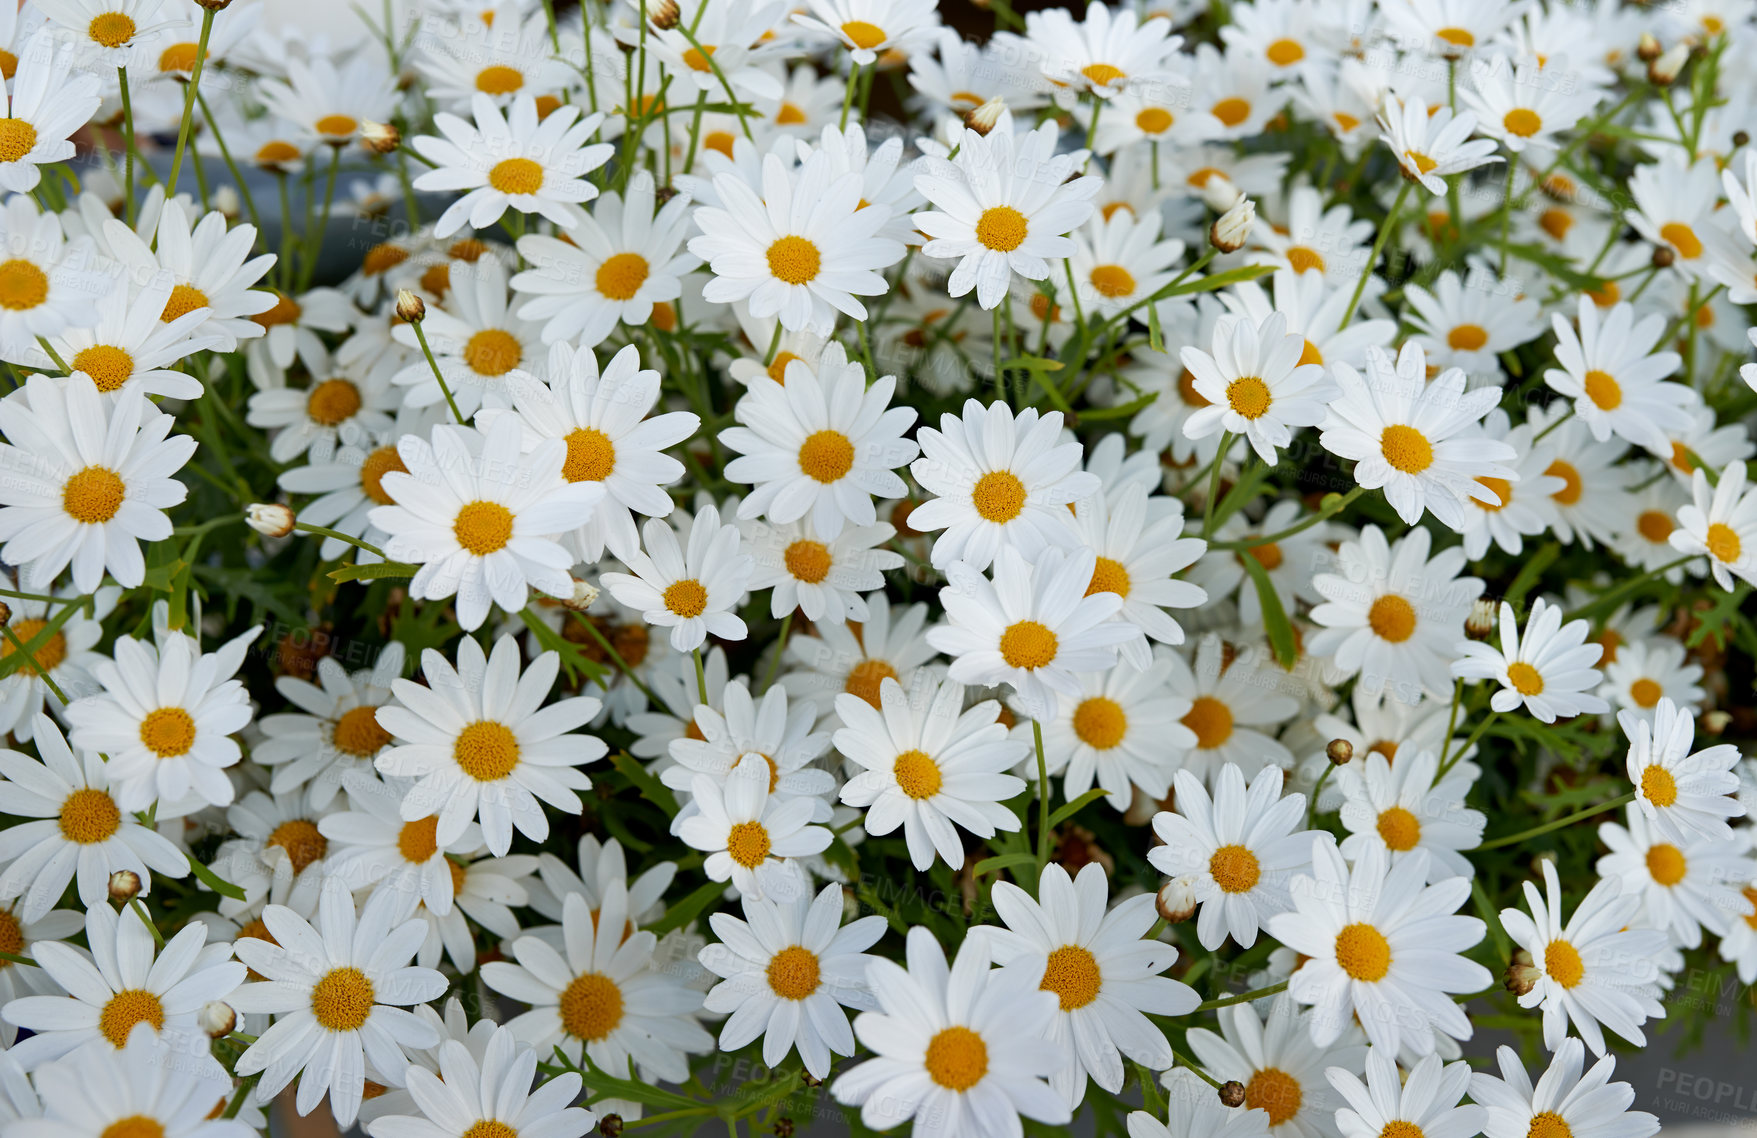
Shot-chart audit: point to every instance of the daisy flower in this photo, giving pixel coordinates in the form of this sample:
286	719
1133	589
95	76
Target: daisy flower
135	1089
490	1097
1104	53
1616	379
348	488
1720	523
821	445
1237	850
1138	550
1448	27
695	590
1468	321
120	983
277	842
1394	615
965	1048
333	730
999	481
165	720
45	282
313	419
1674	208
481	742
1686	795
130	346
1549	671
1685	887
783	738
1591	504
1432	145
293	332
1003	205
369	846
823	580
751	836
887	644
1101	968
514	160
601	994
210	266
786	971
868	28
1521	102
1411	437
329	102
1427	1104
1383	946
1589	1107
1280	1067
476	342
1645	672
44	103
929	766
1738	945
802	249
61	664
20	937
603	868
503	59
1124	731
1408	806
1034	626
334	989
1255	384
1119	260
1229	700
78	831
481	518
107	33
619	264
1596	969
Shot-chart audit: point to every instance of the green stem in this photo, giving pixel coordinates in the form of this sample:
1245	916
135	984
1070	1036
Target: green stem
1515	839
437	374
128	146
701	675
1243	998
54	355
1366	271
1214	482
1042	801
324	531
848	96
1611	598
207	25
780	650
1329	509
1469	742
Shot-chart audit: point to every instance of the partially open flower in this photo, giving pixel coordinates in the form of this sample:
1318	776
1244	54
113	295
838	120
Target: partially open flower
1177	900
1232	229
270	518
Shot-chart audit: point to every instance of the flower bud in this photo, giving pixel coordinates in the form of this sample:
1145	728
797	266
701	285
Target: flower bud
584	593
1339	751
1663	72
124	885
380	137
215	5
783	1128
1176	901
663	14
227	201
610	1126
411	309
1219	194
5	613
1522	974
982	119
809	1079
1232	229
1664	257
1716	722
217	1018
1648	48
270	518
1232	1093
1741	138
1480	623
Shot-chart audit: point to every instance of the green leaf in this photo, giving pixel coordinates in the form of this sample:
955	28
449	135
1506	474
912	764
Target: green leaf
214	881
1069	809
373	571
1215	281
1004	861
1120	411
689	908
1274	616
650	787
163	577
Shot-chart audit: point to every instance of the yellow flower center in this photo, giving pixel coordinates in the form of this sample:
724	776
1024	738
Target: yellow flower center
183	300
748	844
917	774
1572	484
418	841
1231	111
777	369
1406	449
1100	722
111	29
486	751
686	598
1658	786
1073	975
721	141
1457	37
379	463
1305	260
300	840
1556	222
93	495
1526	680
863	35
1235	869
808	561
108	367
591	456
1723	542
516	176
789	115
1500	488
622	275
47	658
1249	396
483	527
1467	338
488	1127
1605	392
1666	864
1211	721
1422	163
793	972
89	816
1153	120
1108	576
1267	554
1276	1092
826	455
1285	52
1028	644
1655	526
591	1006
380	258
178	57
11	937
492	352
865	678
1645	693
1363	952
794	260
499	79
1682	238
168	732
127	1008
1113	281
278	152
1400	829
956	1058
1398	1128
23	286
1523	122
1561	961
333	402
999	496
134	1126
1102	74
336	126
1549	1124
1392	618
1001	228
8	64
17	138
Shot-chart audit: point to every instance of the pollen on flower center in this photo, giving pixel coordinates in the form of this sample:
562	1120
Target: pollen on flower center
127	1008
23	286
1392	618
1400	830
795	260
1655	526
1406	448
1457	37
333	402
1645	692
1526	680
826	456
1028	644
1231	111
1266	553
1522	121
489	1127
1572	483
112	29
168	732
1400	1128
1467	338
89	816
483	527
418	841
777	369
1102	74
808	561
865	678
1285	52
1363	952
335	127
17	138
622	275
372	471
342	1000
493	352
917	774
1500	488
748	844
107	366
1276	1092
1109	576
1549	1124
1235	869
1211	720
591	1006
1001	228
956	1058
1723	543
1073	975
686	598
136	1126
863	35
1561	961
300	840
1605	392
1113	281
1666	864
46	658
1682	238
793	972
1305	260
591	456
1422	163
93	496
999	496
1153	120
277	152
1249	396
1658	786
487	751
11	937
499	79
1100	722
516	176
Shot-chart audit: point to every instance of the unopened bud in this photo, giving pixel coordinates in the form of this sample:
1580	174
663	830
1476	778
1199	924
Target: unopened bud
217	1018
584	593
783	1128
1522	975
411	309
214	5
1648	48
227	201
1232	229
1480	623
1339	751
1176	901
982	119
1663	72
1232	1093
610	1126
1664	257
5	613
663	14
380	137
809	1079
124	885
270	518
1219	194
1717	721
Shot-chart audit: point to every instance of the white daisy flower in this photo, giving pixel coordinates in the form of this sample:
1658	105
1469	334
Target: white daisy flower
108	33
1119	260
476	342
1686	795
1595	970
1432	145
334	730
1449	28
1720	523
1382	946
868	27
348	488
1616	379
1229	701
129	346
998	480
1549	671
695	590
1428	1104
1193	1110
45	103
888	644
787	970
1003	204
23	979
1520	101
824	580
1685	887
963	1048
603	867
1288	563
1280	1067
1469	320
1104	53
1124	731
136	1089
481	742
210	267
1592	503
46	282
1411	437
1406	807
752	837
929	766
1642	674
503	58
1237	851
1674	209
468	1098
370	846
328	102
1139	547
294	333
277	842
334	989
1562	1102
781	736
1255	384
64	659
339	408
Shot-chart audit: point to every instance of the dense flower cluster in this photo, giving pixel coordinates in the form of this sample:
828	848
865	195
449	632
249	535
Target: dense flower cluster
1169	553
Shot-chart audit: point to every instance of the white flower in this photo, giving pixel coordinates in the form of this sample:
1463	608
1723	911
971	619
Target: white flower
929	766
334	989
1194	1110
1684	794
1120	261
471	1099
888	644
1469	320
1255	384
1639	675
1124	731
335	728
787	970
210	266
482	742
1282	1070
868	27
1003	204
1597	968
768	728
693	591
1238	850
1549	671
963	1049
1428	1104
1616	379
1228	702
824	580
45	104
1409	806
1562	1101
107	32
328	102
1383	947
1139	547
1522	103
1432	145
129	345
315	417
476	341
750	836
1684	887
370	846
45	284
1105	53
1720	523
